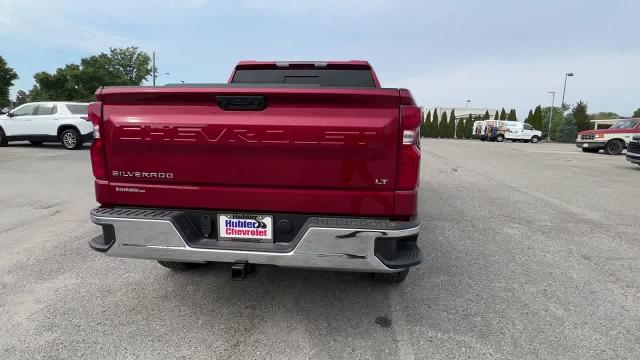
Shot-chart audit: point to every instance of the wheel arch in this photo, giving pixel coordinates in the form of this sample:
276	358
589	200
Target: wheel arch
3	137
64	127
624	143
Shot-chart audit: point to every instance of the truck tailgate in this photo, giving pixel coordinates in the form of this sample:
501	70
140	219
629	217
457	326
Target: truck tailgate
267	149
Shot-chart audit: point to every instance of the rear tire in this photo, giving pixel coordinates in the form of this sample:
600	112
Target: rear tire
614	147
391	278
500	138
36	143
3	138
70	139
179	266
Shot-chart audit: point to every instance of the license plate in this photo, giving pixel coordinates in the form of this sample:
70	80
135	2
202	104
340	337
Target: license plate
243	227
585	145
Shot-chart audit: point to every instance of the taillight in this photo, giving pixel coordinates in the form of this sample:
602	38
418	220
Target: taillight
98	159
409	148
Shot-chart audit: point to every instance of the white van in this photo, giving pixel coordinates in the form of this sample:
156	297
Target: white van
479	130
509	130
517	131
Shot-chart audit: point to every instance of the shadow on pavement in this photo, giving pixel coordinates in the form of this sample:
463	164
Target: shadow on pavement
48	146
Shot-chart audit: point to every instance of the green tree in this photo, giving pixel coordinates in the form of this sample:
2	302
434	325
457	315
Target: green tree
486	115
452	125
496	116
580	116
555	122
7	77
435	128
503	114
636	114
536	118
512	115
608	115
125	66
468	126
443	127
567	129
22	97
460	134
529	116
61	85
130	64
425	127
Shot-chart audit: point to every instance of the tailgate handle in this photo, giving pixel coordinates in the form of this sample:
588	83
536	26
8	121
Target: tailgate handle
241	103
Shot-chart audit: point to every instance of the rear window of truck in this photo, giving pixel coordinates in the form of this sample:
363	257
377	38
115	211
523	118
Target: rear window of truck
322	77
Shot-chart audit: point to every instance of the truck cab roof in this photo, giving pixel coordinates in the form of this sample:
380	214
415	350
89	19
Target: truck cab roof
350	64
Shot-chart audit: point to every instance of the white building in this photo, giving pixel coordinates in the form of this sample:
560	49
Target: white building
461	113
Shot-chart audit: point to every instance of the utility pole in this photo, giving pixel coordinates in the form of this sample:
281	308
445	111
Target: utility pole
154	71
553	99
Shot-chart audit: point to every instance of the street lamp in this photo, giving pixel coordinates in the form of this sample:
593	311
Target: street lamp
553	99
565	87
466	105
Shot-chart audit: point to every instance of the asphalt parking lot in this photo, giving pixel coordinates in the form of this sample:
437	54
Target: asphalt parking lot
533	252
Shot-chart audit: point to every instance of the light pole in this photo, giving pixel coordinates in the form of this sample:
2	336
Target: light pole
466	105
553	99
565	87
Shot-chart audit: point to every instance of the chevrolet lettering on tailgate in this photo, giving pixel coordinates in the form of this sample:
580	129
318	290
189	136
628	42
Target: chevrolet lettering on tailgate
212	134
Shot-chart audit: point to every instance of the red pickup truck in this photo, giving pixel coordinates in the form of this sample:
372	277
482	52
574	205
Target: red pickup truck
296	164
612	140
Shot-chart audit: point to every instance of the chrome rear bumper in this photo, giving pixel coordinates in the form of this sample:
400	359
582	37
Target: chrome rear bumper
322	243
633	157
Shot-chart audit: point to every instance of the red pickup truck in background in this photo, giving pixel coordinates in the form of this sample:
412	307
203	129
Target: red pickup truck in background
612	140
297	164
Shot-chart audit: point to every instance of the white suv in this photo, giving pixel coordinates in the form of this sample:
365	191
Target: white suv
39	122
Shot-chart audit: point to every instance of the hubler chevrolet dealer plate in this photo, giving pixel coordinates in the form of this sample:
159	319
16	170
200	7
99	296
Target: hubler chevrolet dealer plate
245	227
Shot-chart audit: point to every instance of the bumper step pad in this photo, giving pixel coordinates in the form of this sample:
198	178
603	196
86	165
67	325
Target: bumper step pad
404	258
98	243
127	213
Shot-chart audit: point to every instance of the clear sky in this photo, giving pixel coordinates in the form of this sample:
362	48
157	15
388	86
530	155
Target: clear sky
495	53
